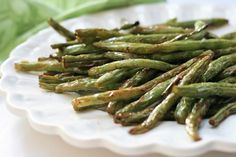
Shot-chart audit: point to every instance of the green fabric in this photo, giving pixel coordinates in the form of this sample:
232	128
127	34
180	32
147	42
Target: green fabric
19	19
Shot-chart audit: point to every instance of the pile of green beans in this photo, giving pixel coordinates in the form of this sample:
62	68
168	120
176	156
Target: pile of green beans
142	75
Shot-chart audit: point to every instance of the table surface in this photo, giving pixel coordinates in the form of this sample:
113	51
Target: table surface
19	139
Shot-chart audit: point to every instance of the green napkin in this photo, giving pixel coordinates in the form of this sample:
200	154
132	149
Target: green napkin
19	19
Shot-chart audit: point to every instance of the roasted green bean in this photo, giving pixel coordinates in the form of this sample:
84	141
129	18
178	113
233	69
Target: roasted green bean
158	29
80	49
48	65
213	22
219	65
95	34
131	63
167	47
61	30
121	55
115	76
231	79
194	118
222	114
201	90
230	71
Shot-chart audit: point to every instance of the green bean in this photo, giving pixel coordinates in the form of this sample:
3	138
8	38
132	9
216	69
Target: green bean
61	30
101	107
134	117
70	78
182	45
230	71
174	82
85	64
52	65
115	76
195	117
226	51
38	66
185	55
77	85
105	97
231	79
140	77
138	117
95	34
195	35
183	109
57	78
149	38
202	90
159	112
108	77
216	106
121	55
114	106
213	22
226	101
222	114
231	36
128	93
80	49
199	27
218	65
137	48
63	75
48	86
131	63
156	115
158	29
82	57
153	38
63	45
177	57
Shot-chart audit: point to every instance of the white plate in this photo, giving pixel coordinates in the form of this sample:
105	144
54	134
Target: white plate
53	114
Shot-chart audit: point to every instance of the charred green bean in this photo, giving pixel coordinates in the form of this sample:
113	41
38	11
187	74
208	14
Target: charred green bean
131	63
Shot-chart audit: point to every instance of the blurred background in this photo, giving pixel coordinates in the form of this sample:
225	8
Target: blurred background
19	19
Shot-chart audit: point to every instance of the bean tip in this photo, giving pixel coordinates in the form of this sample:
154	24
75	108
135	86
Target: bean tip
212	122
139	129
75	104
